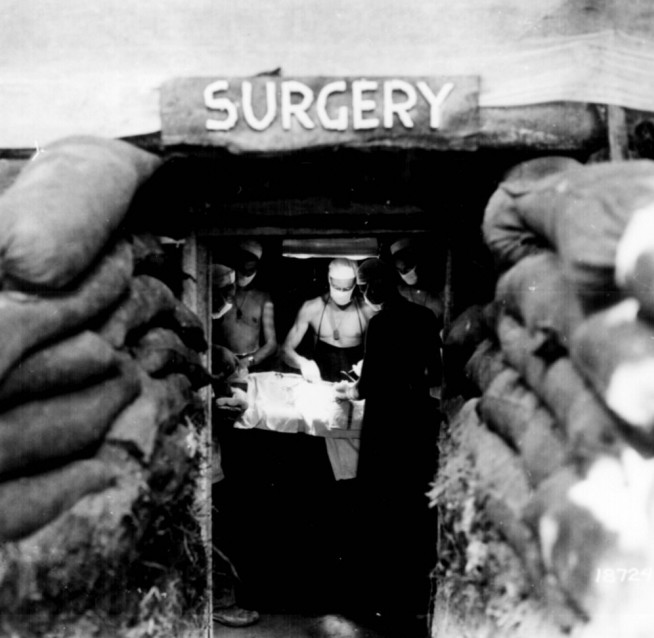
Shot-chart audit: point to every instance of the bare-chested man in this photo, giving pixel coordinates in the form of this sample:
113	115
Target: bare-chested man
248	328
339	322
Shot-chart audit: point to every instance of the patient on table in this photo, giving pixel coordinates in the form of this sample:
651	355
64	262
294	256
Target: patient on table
285	402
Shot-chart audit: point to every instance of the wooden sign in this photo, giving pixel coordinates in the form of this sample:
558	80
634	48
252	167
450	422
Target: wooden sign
270	114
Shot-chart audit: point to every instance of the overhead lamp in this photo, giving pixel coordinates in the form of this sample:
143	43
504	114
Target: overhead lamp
349	247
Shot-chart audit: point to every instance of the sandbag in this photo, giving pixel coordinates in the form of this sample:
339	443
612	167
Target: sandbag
503	228
30	321
581	214
151	303
461	338
148	300
537	292
158	407
160	351
500	483
514	412
64	207
614	351
485	364
152	257
571	539
189	327
588	426
9	171
556	383
470	328
594	527
634	259
29	503
500	471
592	431
45	430
149	254
66	365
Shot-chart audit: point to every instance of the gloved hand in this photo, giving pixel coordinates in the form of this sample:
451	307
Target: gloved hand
341	389
345	391
309	370
238	400
356	368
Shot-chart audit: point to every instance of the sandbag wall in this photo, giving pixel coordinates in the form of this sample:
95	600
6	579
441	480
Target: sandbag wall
560	430
99	362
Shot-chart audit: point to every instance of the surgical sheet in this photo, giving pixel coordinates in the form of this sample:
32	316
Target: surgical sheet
287	403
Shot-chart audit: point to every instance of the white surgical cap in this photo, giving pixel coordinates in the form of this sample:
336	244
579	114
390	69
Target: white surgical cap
222	275
342	269
400	244
251	246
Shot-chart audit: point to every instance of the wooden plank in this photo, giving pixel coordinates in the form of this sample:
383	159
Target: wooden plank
210	232
322	206
556	126
196	296
308	217
617	133
273	114
448	303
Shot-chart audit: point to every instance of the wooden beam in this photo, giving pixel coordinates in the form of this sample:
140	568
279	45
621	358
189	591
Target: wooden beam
448	307
197	296
556	126
302	231
617	133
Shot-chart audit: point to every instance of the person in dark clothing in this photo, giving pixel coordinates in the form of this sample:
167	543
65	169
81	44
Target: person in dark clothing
398	454
405	257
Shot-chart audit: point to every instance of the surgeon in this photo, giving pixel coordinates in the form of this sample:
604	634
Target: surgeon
405	256
247	328
338	320
399	380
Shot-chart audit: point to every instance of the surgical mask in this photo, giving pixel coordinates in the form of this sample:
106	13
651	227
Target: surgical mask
223	311
341	297
242	281
410	278
375	306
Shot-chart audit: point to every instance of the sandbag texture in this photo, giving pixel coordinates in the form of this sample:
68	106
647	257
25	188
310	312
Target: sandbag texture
64	208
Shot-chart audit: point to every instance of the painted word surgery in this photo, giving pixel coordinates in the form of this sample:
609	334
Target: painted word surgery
368	104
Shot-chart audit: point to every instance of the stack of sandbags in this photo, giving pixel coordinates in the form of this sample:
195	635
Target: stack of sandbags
98	364
565	380
582	214
575	248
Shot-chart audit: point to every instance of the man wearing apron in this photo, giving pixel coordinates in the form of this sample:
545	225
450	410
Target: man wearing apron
338	320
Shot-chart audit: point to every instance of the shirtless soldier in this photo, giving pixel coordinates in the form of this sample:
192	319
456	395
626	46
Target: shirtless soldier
248	328
339	322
